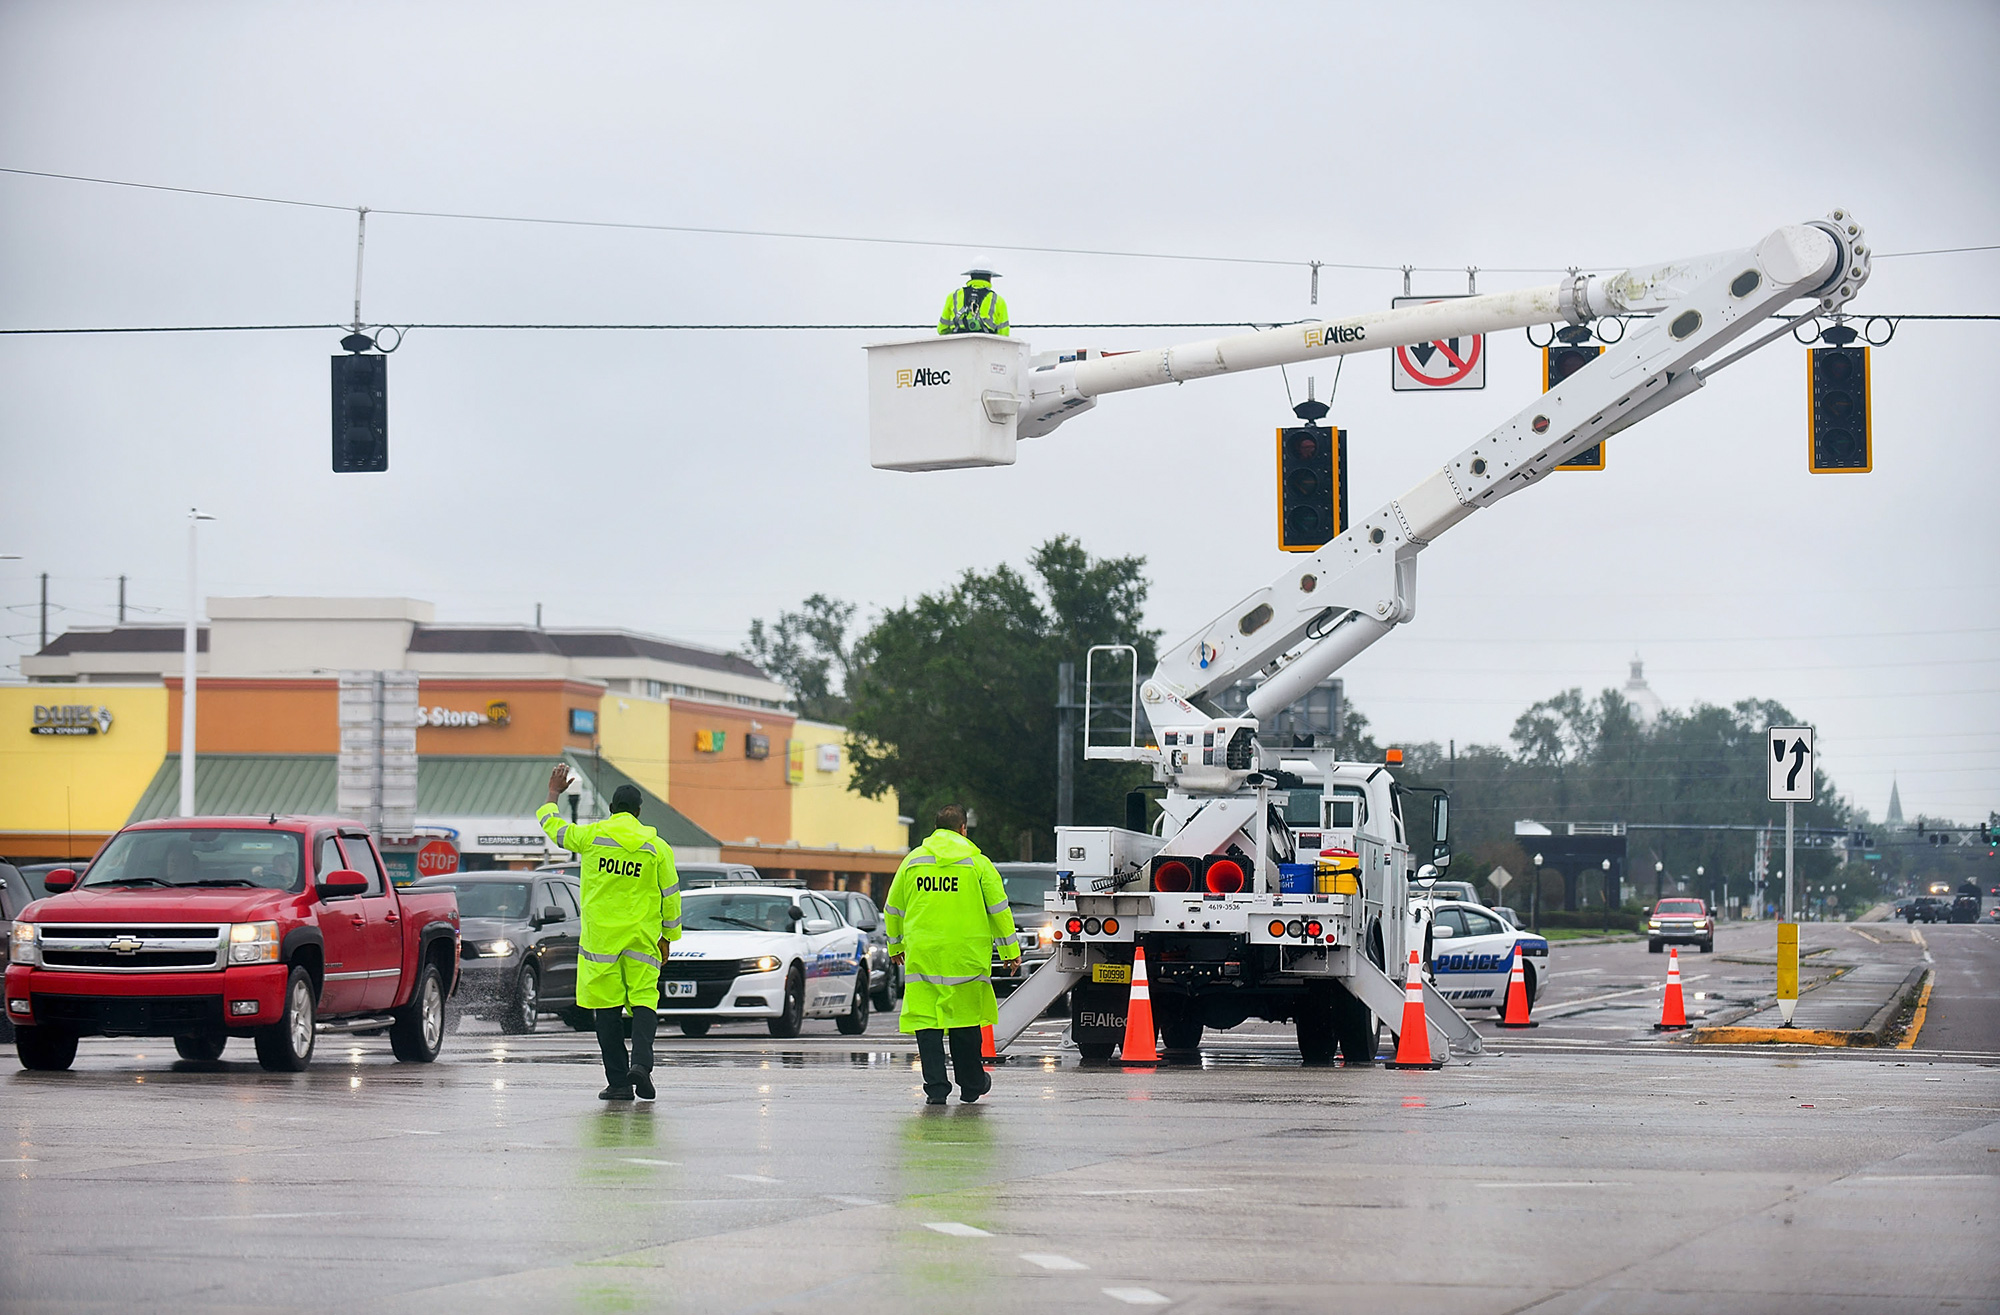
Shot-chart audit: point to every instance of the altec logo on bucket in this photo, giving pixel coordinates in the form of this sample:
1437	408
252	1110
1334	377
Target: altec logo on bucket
923	378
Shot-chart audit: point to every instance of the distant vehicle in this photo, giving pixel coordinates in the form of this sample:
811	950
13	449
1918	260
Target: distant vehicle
518	937
204	929
1506	915
1938	888
695	874
1925	909
1026	884
778	955
1965	909
1469	954
1681	921
1458	890
885	976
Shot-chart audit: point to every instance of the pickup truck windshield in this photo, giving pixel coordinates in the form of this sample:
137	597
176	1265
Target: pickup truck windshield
200	857
487	899
733	911
1025	889
1690	908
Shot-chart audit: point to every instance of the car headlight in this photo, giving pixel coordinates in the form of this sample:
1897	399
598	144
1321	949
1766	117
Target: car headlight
765	963
1046	934
27	943
499	949
253	942
1654	925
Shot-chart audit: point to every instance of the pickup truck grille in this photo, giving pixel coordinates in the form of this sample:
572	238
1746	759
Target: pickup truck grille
133	947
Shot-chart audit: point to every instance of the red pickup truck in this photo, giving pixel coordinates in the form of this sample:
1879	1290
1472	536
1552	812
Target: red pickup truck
208	928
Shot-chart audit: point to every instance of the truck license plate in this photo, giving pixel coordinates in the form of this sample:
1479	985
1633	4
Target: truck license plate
1118	973
679	989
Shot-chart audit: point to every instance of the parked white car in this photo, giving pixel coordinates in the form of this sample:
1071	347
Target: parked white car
1469	954
751	952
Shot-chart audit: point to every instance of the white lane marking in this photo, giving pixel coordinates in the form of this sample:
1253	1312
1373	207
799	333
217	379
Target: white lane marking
1048	1261
1920	1178
951	1228
1137	1296
1154	1191
420	1132
1595	1182
25	1159
852	1200
290	1214
1575	972
664	1164
1637	990
754	1178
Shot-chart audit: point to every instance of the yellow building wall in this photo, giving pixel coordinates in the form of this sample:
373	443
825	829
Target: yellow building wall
635	734
825	813
51	784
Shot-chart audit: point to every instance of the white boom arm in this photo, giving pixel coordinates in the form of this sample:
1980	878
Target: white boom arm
939	403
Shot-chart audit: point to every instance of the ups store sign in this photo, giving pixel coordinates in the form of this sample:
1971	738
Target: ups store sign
71	719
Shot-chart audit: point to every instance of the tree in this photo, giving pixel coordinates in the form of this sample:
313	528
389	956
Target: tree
953	694
807	652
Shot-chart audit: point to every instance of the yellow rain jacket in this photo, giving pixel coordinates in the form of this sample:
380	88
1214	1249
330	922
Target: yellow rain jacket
975	308
631	902
947	912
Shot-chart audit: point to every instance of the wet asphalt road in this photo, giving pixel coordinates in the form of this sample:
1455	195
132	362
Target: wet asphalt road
1573	1168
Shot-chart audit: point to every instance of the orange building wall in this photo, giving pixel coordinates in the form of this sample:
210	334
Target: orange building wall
258	716
730	796
537	716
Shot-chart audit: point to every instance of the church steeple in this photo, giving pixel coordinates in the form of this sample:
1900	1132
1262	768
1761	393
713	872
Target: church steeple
1895	817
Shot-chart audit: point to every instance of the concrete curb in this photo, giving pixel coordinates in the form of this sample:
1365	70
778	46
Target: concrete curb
1872	1034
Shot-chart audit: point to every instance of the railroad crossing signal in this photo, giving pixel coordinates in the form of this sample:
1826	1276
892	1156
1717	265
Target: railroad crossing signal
1842	438
1560	360
1312	484
360	408
1790	763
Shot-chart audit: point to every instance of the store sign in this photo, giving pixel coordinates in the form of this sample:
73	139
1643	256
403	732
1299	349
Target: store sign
512	842
795	761
710	741
582	721
71	719
829	758
496	714
756	746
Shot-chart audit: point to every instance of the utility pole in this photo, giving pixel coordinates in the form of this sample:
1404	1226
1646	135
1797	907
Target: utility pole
45	611
195	518
1065	744
121	600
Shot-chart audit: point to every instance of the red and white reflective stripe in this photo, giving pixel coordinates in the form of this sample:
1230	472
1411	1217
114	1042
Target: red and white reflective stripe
1413	981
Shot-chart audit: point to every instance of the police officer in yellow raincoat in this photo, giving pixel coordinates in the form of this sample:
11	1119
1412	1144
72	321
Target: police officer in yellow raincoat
947	912
631	910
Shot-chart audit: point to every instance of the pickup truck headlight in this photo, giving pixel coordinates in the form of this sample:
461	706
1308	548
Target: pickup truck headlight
1653	925
499	949
27	943
253	942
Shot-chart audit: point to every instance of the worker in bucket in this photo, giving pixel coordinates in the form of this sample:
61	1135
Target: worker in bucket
947	911
976	307
631	912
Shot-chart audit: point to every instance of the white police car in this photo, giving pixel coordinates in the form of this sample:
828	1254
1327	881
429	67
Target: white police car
1469	954
751	952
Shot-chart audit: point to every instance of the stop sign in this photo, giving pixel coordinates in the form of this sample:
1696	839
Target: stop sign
438	858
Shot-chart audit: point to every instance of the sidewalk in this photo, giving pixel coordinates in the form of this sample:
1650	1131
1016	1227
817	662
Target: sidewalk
1864	978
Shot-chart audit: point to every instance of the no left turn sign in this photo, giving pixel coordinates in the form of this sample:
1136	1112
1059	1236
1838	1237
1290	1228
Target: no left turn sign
1442	363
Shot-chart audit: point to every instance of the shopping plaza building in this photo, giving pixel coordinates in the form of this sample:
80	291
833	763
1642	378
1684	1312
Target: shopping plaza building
92	739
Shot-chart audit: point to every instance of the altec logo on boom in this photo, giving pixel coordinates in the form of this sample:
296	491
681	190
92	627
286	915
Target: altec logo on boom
923	378
1326	335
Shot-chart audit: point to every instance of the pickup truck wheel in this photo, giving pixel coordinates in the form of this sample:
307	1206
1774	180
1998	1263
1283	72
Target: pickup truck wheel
1653	947
201	1049
523	1012
696	1026
44	1049
855	1021
418	1032
788	1023
286	1046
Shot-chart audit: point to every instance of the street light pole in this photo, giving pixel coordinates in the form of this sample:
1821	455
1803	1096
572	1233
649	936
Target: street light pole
1535	901
195	518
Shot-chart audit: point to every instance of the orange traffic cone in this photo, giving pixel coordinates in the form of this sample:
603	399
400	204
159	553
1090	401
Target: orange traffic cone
986	1050
1413	1040
1673	1017
1516	1014
1139	1047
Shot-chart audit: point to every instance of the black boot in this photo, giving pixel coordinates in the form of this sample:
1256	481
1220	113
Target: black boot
968	1065
611	1045
937	1078
645	1022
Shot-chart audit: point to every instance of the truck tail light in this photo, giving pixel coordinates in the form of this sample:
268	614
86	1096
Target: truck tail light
1295	927
1173	876
1092	926
1277	927
1314	929
1111	926
1224	876
1074	926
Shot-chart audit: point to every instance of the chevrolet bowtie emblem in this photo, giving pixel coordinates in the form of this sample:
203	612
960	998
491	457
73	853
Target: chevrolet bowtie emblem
125	945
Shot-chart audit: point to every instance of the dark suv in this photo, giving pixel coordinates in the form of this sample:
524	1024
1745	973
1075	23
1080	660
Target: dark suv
861	914
1925	908
518	937
1026	883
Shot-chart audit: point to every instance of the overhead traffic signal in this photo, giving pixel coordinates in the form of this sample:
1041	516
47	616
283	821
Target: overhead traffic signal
1570	352
360	408
1842	443
1312	484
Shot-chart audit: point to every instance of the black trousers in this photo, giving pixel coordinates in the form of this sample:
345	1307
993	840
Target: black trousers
618	1065
966	1064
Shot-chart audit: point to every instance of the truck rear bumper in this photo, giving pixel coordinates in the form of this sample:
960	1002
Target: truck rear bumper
150	1004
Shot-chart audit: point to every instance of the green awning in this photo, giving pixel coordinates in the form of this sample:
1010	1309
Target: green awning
249	784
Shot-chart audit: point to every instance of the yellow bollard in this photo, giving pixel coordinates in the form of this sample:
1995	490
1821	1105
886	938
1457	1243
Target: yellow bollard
1788	969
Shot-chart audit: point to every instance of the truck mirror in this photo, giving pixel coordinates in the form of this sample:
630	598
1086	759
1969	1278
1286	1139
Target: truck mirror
342	882
1442	932
59	880
551	913
1441	830
795	913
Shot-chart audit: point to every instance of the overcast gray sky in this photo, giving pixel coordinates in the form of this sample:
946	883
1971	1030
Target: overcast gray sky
685	483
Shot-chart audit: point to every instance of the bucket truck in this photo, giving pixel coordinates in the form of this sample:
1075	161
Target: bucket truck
1244	912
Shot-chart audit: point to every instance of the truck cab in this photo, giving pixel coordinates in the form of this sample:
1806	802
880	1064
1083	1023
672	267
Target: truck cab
205	929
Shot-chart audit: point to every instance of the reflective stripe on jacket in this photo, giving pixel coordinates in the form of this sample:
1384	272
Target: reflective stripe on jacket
975	308
946	914
631	902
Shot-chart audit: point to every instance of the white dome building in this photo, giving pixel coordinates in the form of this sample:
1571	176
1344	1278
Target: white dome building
1646	705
